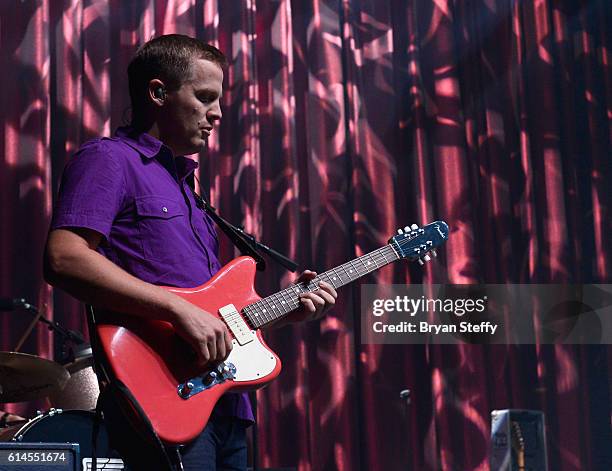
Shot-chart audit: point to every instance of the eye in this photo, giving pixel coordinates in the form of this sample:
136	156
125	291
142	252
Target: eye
206	98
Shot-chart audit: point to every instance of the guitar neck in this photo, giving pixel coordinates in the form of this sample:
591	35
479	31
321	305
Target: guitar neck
272	308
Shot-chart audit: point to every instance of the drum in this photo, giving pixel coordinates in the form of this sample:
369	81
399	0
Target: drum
81	391
70	426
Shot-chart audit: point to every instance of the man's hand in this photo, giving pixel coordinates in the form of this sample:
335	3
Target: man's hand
207	335
316	303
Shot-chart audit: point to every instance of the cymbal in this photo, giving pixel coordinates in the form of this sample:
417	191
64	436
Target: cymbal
25	377
7	419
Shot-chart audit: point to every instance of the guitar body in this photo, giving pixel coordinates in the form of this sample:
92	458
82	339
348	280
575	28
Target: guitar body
152	361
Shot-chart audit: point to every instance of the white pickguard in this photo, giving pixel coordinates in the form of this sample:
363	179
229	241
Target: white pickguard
252	361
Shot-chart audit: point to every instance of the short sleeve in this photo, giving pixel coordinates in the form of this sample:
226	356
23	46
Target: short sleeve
92	189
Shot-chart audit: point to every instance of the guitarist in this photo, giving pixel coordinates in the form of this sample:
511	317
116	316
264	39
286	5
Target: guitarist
126	222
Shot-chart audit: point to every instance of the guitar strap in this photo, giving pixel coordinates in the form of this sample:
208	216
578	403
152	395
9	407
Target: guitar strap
242	244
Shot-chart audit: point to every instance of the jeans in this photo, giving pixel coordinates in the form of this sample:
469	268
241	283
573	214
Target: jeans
220	447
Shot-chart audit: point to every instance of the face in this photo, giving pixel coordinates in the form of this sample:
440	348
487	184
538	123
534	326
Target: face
187	115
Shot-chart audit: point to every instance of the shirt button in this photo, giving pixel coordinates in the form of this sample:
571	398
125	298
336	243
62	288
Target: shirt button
164	209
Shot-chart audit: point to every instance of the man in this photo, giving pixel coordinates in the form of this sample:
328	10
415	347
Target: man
126	222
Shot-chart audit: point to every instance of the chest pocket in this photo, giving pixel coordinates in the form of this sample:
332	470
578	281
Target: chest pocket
163	228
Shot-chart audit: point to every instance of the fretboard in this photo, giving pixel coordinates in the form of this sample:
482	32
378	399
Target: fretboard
270	309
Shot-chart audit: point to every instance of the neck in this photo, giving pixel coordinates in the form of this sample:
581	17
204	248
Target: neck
268	310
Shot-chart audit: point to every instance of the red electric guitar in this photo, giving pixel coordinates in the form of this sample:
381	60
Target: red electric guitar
158	369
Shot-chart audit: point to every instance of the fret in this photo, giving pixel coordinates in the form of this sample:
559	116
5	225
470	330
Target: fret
384	256
380	258
254	316
330	278
364	265
287	299
263	312
277	305
267	309
257	322
262	315
333	277
373	260
299	289
274	308
263	319
282	304
345	271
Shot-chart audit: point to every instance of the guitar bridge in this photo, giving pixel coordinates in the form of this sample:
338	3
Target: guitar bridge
222	372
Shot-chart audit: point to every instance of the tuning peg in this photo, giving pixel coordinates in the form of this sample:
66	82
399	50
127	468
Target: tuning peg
414	226
407	229
427	258
434	253
421	262
400	231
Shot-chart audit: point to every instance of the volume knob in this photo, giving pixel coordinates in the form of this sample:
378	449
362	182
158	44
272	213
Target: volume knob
186	389
211	377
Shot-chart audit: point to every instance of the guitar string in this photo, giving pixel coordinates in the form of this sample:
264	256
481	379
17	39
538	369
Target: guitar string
265	303
373	256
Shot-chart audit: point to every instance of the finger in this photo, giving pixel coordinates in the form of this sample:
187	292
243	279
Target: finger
308	304
221	351
227	337
306	275
328	298
326	287
203	355
316	299
212	349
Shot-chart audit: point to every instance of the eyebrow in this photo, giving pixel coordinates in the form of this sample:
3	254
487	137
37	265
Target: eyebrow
209	91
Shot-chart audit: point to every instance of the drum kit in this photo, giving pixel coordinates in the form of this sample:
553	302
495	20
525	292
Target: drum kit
71	390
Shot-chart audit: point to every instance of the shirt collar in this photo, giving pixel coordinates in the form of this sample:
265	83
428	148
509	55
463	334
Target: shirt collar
143	143
150	147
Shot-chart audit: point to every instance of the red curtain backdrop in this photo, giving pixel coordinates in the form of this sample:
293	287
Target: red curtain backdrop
344	120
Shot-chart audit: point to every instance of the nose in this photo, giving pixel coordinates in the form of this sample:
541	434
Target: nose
214	113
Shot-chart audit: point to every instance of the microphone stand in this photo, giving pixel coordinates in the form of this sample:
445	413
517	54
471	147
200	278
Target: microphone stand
406	396
273	254
65	334
246	242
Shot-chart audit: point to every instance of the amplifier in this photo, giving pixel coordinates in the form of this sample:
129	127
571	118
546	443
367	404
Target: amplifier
518	440
16	456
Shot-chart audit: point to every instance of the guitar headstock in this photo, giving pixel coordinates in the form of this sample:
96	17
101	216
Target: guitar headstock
415	243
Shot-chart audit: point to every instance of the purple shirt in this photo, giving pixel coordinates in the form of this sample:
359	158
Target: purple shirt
132	190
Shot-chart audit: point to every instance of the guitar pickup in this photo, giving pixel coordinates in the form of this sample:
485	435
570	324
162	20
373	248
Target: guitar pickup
242	333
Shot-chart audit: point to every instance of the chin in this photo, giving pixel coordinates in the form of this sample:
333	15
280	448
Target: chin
196	147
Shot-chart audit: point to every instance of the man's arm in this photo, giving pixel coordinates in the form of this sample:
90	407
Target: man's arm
72	263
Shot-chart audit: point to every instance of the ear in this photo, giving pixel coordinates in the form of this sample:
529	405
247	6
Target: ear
156	92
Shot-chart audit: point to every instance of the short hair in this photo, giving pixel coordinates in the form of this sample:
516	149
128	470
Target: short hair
167	58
